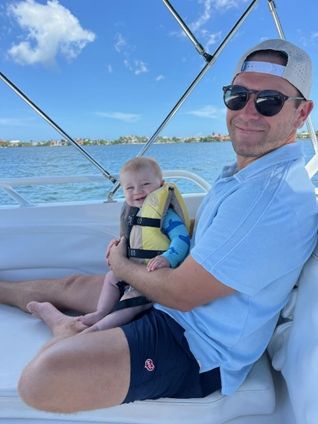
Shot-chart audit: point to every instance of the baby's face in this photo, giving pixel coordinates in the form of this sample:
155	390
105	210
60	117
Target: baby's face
138	184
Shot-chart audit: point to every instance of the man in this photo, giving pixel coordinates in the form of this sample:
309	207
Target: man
215	313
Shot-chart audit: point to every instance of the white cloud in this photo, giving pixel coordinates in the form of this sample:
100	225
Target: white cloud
205	16
160	77
50	29
210	7
16	122
140	67
127	64
227	4
120	42
211	38
125	117
137	67
308	41
209	111
110	69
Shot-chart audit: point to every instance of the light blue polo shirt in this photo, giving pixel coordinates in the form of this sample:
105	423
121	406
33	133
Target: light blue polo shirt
255	229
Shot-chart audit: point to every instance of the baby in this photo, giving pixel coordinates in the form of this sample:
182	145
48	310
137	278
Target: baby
139	177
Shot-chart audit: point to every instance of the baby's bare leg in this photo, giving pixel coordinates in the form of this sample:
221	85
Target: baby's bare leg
109	296
120	317
78	292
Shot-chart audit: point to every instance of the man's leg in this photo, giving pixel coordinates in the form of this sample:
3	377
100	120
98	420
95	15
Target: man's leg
78	292
76	372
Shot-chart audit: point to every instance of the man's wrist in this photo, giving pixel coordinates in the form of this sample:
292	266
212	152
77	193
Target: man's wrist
122	270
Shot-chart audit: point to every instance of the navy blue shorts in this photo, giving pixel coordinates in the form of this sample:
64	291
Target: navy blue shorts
162	364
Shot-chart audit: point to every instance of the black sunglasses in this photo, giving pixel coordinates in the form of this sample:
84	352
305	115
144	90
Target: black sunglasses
267	102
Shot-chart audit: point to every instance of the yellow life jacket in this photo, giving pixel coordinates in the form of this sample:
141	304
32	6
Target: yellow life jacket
143	227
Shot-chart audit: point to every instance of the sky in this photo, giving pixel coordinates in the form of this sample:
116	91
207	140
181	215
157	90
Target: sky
102	69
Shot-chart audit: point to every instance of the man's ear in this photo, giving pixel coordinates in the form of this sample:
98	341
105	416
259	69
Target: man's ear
162	183
303	112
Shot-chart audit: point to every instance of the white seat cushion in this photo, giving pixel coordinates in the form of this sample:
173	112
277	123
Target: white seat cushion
22	336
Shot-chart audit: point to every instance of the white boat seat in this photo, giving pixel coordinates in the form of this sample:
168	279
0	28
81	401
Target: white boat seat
82	251
294	345
21	337
55	251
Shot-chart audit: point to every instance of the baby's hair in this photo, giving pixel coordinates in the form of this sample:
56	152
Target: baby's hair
142	162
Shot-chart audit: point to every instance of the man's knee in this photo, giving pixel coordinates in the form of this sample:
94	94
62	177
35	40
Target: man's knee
82	285
73	279
82	279
70	375
34	384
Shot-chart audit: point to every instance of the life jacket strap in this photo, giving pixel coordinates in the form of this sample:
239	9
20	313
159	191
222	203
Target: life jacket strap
143	253
129	303
144	222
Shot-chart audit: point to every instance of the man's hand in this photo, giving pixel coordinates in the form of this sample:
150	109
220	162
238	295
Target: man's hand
112	243
117	254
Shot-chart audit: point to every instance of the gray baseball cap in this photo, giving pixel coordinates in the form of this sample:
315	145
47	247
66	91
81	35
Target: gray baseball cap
298	70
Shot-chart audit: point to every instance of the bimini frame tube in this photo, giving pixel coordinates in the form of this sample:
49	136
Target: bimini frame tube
210	61
199	48
273	10
57	128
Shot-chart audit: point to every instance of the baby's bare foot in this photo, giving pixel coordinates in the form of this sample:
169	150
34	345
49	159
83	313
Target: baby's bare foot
91	329
91	319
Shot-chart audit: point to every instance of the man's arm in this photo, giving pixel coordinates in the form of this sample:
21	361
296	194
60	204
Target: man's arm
183	288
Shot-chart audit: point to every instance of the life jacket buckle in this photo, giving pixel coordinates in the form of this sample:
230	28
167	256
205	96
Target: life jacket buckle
130	220
132	253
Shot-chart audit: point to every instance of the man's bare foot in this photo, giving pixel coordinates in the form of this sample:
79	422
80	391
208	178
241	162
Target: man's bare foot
59	324
91	319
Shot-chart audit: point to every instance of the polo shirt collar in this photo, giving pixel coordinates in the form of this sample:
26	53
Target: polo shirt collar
286	153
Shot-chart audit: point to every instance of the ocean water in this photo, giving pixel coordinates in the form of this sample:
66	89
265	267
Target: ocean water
204	159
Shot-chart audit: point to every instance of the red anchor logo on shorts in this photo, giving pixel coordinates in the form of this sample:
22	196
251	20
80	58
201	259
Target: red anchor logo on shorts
149	365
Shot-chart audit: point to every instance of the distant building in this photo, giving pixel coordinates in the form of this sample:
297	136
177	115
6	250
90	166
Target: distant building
304	135
219	137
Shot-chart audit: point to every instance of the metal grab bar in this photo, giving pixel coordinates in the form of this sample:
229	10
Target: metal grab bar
189	176
13	194
7	184
51	180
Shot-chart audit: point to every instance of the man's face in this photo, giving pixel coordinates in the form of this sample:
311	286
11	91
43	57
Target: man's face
252	134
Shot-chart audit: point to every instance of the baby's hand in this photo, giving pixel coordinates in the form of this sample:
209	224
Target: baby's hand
158	262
